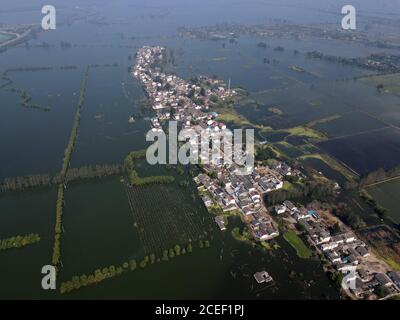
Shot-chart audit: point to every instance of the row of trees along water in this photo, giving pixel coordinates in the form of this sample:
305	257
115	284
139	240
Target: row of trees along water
379	176
23	183
134	177
112	271
26	99
64	169
19	241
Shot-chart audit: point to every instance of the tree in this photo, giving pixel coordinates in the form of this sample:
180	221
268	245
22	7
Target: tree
337	278
171	253
98	276
264	153
177	249
379	87
106	273
132	264
336	228
213	175
143	264
213	98
165	256
382	291
83	280
76	282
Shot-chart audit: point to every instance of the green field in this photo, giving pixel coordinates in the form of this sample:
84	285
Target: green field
294	240
387	194
390	82
4	37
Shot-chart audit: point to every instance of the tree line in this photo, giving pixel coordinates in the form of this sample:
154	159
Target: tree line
379	176
91	172
100	275
312	190
26	99
24	183
19	241
16	184
56	258
134	177
379	210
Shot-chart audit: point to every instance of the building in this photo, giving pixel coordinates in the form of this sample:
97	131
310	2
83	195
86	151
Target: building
219	220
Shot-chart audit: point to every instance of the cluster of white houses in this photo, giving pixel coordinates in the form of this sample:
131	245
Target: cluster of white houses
346	253
172	97
244	193
188	103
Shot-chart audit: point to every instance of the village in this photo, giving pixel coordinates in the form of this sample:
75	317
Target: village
344	254
221	185
224	191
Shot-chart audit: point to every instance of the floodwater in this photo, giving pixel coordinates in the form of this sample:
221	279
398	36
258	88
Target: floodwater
100	228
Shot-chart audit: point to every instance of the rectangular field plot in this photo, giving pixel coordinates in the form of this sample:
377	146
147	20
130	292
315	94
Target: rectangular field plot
366	152
98	228
20	268
354	95
390	82
299	104
34	140
326	170
387	194
166	215
105	136
350	123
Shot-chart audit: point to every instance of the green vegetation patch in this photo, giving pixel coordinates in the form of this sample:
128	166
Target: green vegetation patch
389	83
305	131
243	235
295	241
19	241
134	177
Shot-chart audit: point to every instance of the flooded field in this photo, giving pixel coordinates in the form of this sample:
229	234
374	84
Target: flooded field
326	170
366	152
41	136
20	269
387	195
349	124
105	135
225	270
105	222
